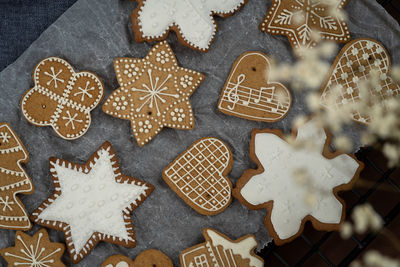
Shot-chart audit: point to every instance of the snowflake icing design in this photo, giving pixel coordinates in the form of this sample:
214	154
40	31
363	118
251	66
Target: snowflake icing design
85	91
54	77
154	92
6	203
299	18
36	251
4	137
71	119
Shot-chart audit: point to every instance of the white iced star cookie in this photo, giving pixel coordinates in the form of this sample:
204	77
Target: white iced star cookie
292	199
192	20
92	202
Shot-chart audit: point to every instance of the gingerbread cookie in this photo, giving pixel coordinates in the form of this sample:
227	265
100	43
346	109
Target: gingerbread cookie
92	202
352	67
147	258
35	251
13	180
198	176
249	94
117	261
219	250
191	20
62	98
287	196
154	93
300	20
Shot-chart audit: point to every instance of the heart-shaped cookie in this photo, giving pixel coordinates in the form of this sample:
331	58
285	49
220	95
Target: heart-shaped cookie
198	176
249	94
352	66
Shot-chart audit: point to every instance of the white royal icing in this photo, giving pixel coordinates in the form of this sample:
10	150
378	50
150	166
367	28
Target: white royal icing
242	248
92	201
192	17
277	183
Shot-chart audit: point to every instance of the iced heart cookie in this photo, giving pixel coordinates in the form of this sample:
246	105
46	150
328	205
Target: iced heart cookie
92	202
62	98
297	184
249	94
219	250
198	176
147	258
353	66
154	93
191	20
13	180
35	251
301	20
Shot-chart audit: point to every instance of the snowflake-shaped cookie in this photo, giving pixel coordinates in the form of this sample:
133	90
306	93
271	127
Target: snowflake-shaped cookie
92	202
62	98
192	20
35	251
154	93
275	186
299	19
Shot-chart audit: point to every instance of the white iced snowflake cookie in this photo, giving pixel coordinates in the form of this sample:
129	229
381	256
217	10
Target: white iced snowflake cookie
92	202
297	184
192	20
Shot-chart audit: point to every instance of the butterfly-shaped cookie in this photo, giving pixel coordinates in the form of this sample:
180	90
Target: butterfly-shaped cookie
62	98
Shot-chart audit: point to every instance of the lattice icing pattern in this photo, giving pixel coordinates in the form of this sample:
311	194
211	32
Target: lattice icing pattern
198	175
13	180
62	98
352	67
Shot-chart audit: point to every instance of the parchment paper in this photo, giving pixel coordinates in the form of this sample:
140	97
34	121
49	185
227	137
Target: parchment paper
94	32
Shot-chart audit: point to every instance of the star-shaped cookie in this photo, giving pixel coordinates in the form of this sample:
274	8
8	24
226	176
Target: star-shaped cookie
92	202
192	21
34	251
154	93
276	187
300	19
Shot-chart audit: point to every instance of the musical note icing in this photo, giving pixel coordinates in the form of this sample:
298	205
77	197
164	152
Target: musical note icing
234	91
249	94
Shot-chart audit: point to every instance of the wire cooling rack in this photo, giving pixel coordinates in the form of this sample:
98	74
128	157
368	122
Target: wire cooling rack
379	186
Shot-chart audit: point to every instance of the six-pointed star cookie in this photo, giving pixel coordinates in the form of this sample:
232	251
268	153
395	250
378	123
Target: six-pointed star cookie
92	202
275	185
192	20
154	93
299	19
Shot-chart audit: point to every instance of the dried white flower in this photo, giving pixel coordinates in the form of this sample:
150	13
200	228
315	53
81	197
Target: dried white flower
346	230
374	258
365	218
392	153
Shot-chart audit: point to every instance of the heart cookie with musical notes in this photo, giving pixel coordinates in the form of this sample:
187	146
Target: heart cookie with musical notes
249	94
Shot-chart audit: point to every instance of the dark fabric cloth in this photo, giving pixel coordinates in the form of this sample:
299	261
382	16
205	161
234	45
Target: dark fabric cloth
22	22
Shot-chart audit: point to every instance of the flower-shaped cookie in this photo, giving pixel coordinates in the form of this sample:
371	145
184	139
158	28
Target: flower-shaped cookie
154	93
62	98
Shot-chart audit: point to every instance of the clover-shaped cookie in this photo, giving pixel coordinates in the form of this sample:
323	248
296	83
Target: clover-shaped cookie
62	98
198	176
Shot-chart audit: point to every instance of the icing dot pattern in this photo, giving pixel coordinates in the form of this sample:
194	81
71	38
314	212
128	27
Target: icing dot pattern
62	98
353	66
150	98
